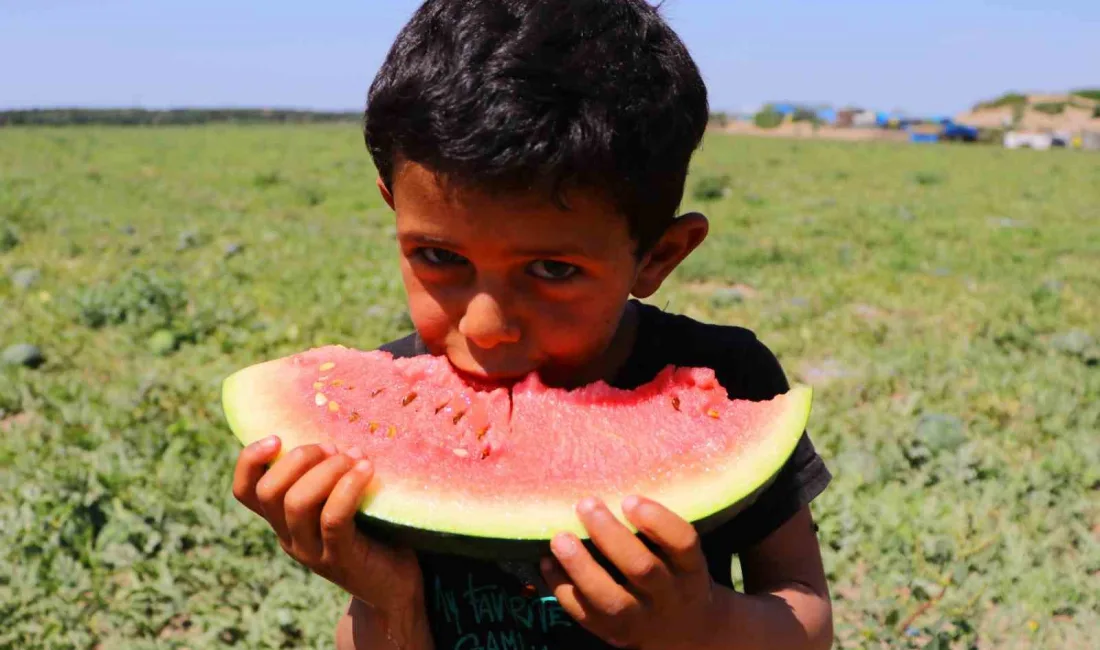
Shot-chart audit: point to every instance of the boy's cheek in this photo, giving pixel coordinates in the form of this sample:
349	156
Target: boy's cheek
430	319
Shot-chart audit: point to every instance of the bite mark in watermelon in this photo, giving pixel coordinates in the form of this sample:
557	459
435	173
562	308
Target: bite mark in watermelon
496	473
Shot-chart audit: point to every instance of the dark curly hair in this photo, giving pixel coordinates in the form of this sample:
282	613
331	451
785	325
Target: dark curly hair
544	95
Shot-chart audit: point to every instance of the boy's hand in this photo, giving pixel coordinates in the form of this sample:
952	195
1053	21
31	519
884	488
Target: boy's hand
669	601
310	497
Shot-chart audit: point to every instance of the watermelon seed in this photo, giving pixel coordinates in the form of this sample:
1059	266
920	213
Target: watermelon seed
337	382
350	388
461	453
376	391
458	417
441	407
481	432
391	432
408	399
676	403
373	427
333	406
484	453
320	399
328	365
318	385
354	417
713	413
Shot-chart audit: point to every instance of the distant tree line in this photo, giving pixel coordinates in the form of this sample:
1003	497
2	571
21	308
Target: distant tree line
180	116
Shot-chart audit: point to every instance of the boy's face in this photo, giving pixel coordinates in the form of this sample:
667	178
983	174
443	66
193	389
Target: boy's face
507	286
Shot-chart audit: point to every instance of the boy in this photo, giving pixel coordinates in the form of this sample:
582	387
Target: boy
534	153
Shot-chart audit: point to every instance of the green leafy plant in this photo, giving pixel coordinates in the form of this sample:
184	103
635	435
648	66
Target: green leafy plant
1008	99
147	299
711	188
927	178
1088	93
1050	108
768	118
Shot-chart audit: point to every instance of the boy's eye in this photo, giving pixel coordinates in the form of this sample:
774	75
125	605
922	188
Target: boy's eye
441	256
552	270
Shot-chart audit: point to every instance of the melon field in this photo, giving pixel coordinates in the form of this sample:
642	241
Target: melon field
944	302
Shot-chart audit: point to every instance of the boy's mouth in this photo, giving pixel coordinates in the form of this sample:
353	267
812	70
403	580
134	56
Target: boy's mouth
487	380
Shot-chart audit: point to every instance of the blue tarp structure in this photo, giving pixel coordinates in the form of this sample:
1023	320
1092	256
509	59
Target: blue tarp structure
824	114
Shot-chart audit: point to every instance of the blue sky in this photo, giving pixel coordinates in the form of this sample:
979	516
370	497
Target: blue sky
932	56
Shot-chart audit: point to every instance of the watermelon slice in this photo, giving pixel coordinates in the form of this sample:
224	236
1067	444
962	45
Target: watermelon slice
497	472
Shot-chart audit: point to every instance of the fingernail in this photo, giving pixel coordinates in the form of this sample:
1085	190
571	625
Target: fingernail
328	448
269	442
588	505
630	503
564	545
355	453
363	466
647	510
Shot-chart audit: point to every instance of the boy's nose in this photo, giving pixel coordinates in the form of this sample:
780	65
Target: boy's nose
486	324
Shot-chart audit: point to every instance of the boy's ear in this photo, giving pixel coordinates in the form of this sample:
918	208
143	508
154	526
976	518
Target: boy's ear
678	241
387	195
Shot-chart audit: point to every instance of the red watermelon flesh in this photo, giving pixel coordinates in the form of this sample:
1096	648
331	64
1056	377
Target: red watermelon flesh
496	464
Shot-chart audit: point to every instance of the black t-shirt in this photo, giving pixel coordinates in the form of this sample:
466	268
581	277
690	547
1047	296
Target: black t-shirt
475	605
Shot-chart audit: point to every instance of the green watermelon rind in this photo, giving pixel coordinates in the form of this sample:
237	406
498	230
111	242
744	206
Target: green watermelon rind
425	518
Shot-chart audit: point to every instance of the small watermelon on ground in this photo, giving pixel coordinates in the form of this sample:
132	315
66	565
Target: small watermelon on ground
496	472
9	238
24	279
163	342
23	354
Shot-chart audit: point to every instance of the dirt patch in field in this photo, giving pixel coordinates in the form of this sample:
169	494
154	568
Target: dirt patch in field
9	422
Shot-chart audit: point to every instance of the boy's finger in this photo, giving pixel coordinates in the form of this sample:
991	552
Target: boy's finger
594	583
575	604
637	563
566	593
305	499
272	488
251	465
677	538
338	515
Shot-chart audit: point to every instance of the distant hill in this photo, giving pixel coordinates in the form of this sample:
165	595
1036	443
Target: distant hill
1077	110
179	116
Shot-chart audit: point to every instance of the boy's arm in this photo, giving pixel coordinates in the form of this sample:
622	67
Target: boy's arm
363	628
786	601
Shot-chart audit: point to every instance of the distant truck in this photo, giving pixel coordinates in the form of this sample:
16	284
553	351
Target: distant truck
955	132
940	130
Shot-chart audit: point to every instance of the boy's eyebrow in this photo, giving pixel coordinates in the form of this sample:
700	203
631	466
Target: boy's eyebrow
567	251
427	240
553	252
